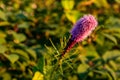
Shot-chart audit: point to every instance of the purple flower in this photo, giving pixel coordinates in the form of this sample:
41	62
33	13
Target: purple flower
83	27
81	30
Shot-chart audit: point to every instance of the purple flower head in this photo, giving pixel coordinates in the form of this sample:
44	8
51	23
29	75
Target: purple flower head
83	27
80	31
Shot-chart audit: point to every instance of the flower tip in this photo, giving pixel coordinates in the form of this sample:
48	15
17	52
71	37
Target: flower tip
91	19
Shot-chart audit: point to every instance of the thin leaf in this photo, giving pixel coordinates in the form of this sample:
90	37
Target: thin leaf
40	64
21	53
54	46
32	53
111	73
110	37
113	29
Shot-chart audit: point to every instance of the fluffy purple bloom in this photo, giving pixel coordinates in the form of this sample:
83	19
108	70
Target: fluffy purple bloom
81	30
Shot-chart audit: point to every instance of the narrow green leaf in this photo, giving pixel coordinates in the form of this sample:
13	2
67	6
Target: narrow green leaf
40	64
32	53
54	46
21	53
117	35
112	75
110	37
113	29
113	65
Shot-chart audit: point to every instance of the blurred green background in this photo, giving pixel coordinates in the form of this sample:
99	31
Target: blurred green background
33	33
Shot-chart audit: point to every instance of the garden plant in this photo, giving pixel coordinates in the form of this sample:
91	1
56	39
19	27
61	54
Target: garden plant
59	39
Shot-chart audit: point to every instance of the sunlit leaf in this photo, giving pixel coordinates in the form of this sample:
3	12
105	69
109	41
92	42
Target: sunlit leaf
2	35
3	49
2	15
112	30
111	55
117	35
38	76
100	40
23	25
21	53
2	40
102	73
101	3
73	78
113	65
118	1
19	37
91	52
112	75
73	16
68	4
83	70
12	57
4	23
6	76
113	23
32	53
